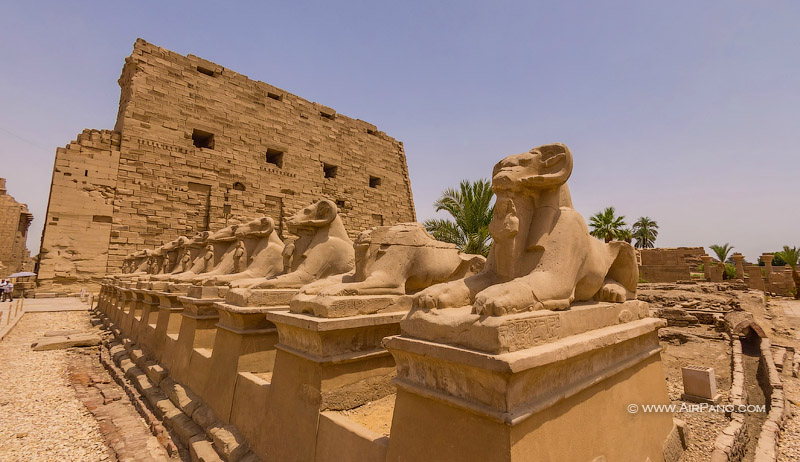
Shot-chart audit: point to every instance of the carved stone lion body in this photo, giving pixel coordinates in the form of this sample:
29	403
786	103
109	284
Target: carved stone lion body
542	256
259	252
398	260
322	249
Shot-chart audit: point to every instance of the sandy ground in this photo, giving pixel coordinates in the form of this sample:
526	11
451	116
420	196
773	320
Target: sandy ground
789	444
42	419
376	416
699	346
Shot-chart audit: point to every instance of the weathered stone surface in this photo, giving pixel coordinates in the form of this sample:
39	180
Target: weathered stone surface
669	264
493	334
322	249
58	343
391	262
542	256
14	222
162	173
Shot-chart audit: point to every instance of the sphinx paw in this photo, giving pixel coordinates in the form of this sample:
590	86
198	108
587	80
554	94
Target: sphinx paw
502	299
612	291
441	296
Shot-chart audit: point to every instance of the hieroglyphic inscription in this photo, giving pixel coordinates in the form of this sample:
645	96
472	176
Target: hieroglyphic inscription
525	333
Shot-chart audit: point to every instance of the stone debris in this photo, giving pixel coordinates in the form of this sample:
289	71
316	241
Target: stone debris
68	341
41	418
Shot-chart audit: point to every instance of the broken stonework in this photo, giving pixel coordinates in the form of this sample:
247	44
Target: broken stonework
248	149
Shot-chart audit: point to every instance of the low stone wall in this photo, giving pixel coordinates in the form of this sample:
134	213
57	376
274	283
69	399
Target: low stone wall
669	264
731	442
185	423
767	449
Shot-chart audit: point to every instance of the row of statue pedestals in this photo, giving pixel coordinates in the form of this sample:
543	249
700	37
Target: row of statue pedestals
519	357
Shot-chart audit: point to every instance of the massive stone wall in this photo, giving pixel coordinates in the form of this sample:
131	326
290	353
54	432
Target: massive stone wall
14	222
669	264
80	210
200	145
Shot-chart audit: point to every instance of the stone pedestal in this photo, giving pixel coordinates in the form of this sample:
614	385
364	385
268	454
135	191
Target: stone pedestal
767	259
114	303
245	342
188	358
706	267
109	300
323	364
144	326
554	386
144	332
168	323
103	298
738	260
126	307
260	297
754	279
717	270
769	276
134	316
353	305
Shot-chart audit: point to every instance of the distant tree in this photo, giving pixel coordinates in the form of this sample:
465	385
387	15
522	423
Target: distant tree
722	251
645	231
624	234
471	208
606	225
791	255
777	260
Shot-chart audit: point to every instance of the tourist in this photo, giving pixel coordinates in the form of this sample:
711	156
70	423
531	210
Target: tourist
2	290
7	291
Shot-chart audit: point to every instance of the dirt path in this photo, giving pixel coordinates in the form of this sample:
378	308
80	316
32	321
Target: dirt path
42	419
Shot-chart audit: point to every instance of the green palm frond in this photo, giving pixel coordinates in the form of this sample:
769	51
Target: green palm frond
645	231
721	251
606	225
471	208
790	255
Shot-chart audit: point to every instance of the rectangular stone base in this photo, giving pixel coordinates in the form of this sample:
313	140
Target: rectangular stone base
196	291
259	297
501	334
566	400
353	305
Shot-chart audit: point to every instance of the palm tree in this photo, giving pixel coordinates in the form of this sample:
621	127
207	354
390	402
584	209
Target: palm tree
645	231
605	225
791	255
624	234
471	208
721	251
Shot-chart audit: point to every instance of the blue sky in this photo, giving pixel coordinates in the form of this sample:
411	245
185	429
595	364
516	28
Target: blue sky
683	111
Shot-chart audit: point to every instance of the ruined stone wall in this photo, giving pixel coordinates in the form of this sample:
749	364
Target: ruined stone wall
267	152
80	211
669	264
14	222
197	139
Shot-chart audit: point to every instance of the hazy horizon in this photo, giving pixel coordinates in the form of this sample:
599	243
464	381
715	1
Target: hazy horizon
682	112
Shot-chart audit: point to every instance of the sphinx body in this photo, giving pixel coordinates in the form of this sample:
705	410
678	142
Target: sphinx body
258	253
218	256
542	256
398	260
321	249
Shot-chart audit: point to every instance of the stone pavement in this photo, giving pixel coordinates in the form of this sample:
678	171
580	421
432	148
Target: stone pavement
120	423
790	307
54	304
62	404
